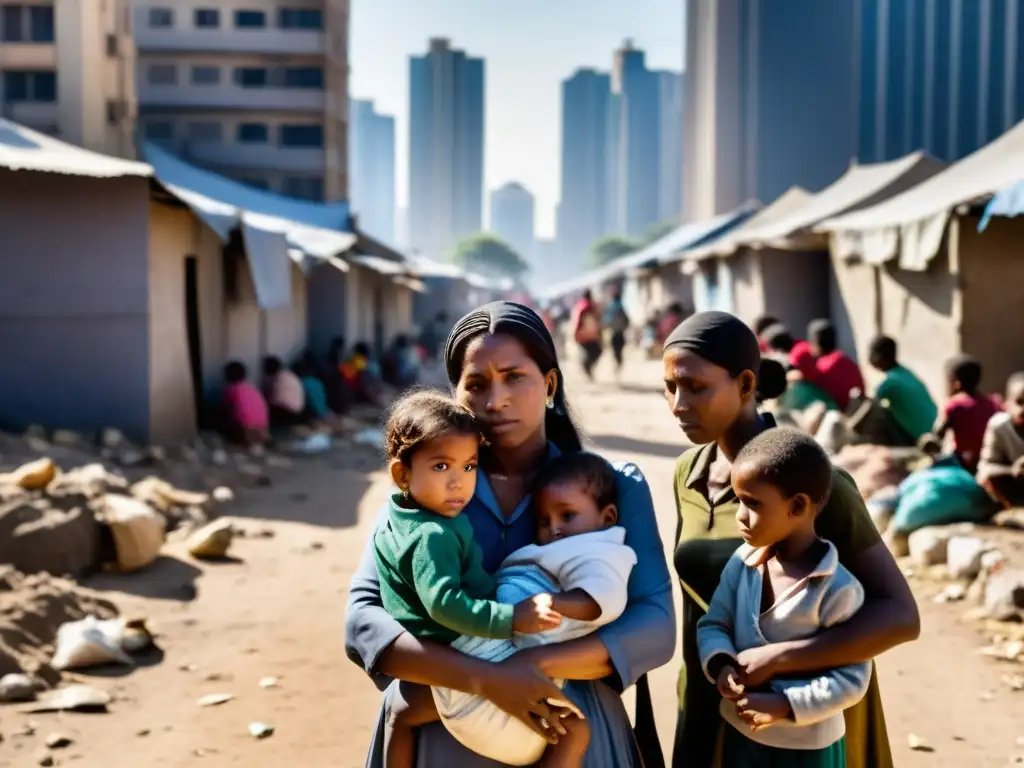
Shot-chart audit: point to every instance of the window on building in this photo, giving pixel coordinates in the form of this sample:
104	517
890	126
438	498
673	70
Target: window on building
304	77
159	130
251	77
30	86
12	21
304	187
162	74
311	135
205	75
253	133
40	28
250	19
206	130
207	18
161	18
300	18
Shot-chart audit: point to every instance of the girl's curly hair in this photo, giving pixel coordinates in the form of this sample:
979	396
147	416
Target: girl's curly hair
421	416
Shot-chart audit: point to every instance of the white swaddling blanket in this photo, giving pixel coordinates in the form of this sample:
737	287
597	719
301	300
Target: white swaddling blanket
598	563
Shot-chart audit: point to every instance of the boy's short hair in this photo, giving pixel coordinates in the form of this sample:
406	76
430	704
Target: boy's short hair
235	372
779	338
965	370
790	460
594	471
421	416
764	322
883	347
822	333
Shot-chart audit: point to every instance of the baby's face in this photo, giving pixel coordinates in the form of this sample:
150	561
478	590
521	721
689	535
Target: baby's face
568	509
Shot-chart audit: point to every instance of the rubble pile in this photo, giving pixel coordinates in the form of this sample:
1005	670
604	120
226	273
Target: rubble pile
32	610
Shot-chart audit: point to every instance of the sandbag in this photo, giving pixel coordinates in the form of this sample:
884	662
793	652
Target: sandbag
89	643
138	531
943	494
212	540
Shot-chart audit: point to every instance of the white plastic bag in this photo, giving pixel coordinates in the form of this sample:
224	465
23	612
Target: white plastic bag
90	643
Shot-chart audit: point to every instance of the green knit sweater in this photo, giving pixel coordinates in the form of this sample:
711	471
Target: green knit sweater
432	579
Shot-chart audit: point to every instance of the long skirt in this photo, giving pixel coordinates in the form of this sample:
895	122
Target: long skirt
740	752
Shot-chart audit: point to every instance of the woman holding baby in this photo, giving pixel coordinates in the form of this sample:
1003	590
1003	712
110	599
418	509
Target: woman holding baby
503	367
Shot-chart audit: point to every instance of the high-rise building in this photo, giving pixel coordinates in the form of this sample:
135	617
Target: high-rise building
670	182
446	148
585	212
257	92
67	68
512	214
789	93
638	157
947	77
372	169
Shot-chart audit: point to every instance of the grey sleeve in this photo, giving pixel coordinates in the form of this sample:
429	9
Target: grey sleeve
369	629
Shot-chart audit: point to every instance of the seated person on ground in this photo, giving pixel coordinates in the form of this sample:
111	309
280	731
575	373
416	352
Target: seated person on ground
246	420
285	394
362	375
967	412
821	363
314	390
1001	467
800	393
901	410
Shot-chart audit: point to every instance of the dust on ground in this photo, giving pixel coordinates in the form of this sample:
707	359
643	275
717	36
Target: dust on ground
275	609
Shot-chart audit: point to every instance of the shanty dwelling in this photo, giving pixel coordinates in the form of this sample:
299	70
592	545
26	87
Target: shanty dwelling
777	264
449	288
272	247
630	271
368	298
110	288
917	268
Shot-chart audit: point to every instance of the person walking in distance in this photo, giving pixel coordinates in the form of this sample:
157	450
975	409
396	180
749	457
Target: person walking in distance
586	325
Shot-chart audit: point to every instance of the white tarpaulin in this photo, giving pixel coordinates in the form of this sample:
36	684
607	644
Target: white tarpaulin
913	222
270	266
22	149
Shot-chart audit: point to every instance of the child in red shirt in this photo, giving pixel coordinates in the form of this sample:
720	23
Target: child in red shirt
967	411
821	363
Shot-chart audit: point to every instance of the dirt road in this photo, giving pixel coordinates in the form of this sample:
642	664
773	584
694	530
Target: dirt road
278	612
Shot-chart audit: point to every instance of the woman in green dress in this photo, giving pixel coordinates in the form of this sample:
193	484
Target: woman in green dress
711	362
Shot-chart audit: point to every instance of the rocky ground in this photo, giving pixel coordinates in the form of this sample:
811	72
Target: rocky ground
252	642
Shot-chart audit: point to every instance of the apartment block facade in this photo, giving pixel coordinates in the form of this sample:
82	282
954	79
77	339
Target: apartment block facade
256	90
67	68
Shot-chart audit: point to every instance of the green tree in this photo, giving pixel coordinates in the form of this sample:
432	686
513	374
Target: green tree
657	230
609	248
489	254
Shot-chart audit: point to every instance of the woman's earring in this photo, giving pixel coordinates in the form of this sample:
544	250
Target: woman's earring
551	404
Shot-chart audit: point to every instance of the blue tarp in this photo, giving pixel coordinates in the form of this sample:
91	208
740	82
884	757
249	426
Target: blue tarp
1008	202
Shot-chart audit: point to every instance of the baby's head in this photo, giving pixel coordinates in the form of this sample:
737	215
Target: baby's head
782	479
574	494
432	446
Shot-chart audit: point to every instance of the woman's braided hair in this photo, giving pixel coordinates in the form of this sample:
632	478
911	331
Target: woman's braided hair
421	416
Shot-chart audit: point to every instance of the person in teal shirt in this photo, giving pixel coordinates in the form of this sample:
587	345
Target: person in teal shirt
910	408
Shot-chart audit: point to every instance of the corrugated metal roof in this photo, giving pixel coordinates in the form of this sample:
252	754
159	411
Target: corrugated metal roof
661	251
317	229
22	149
791	200
912	224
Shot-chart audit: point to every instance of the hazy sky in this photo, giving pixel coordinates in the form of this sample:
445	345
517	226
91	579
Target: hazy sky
530	47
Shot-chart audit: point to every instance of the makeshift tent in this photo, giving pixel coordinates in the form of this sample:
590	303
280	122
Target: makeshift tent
917	269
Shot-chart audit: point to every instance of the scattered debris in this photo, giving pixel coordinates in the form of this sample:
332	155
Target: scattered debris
16	688
83	698
90	643
1014	682
215	699
261	730
951	594
222	494
268	682
59	741
963	556
139	530
1007	650
44	759
212	541
918	744
929	546
1004	594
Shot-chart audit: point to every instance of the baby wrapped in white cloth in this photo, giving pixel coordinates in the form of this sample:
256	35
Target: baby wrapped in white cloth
599	564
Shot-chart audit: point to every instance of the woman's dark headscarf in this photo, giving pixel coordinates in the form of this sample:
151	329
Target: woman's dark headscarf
526	326
726	341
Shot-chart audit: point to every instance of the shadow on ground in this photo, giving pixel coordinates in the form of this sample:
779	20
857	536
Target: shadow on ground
167	578
632	445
